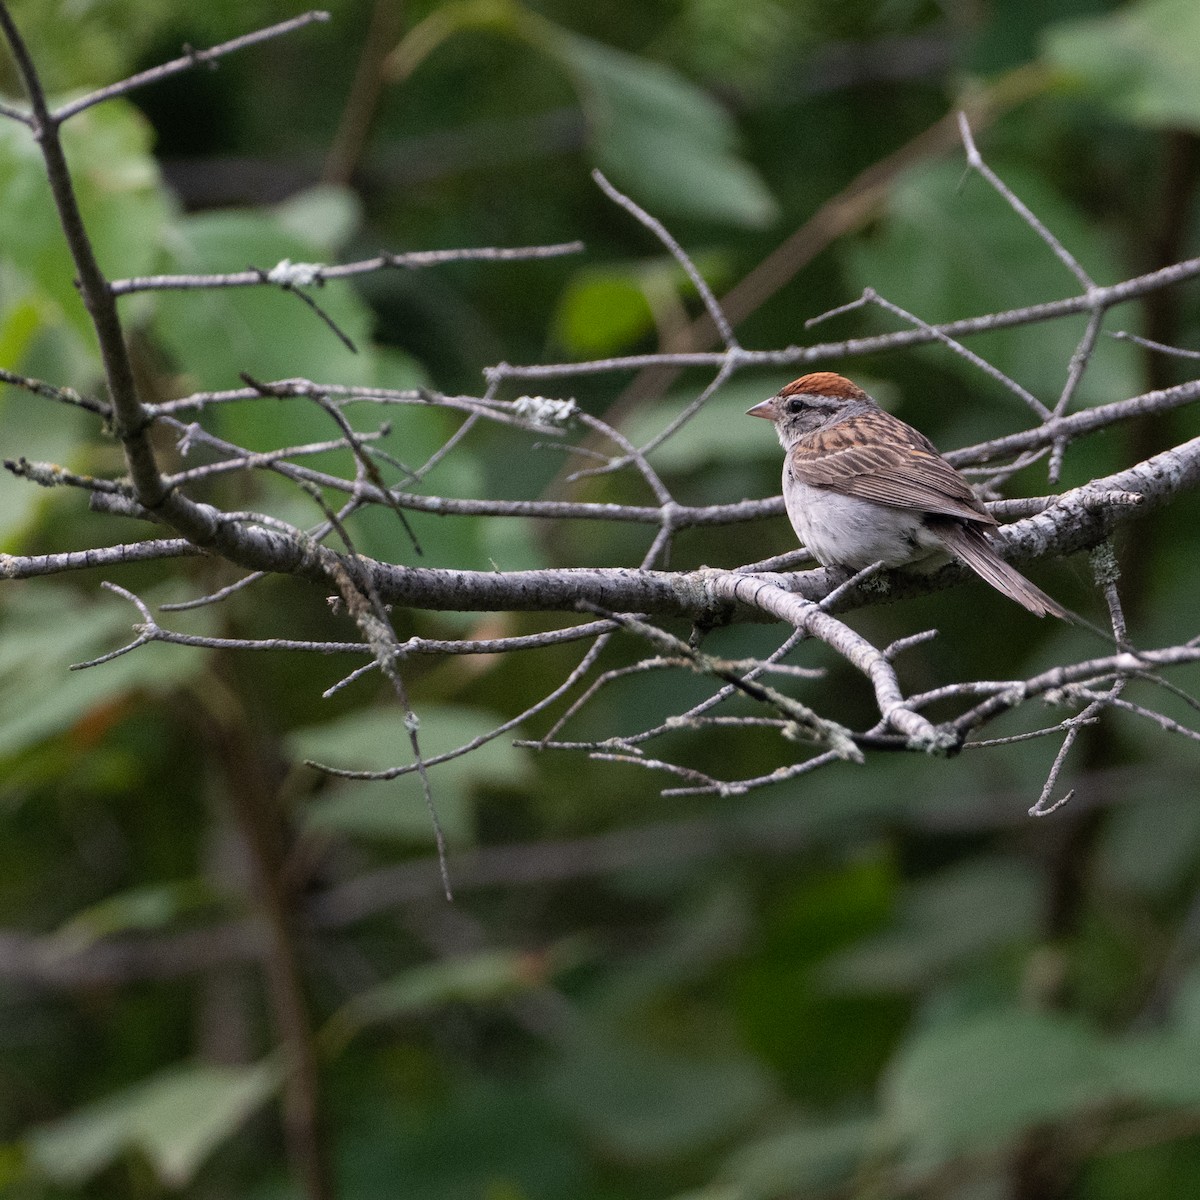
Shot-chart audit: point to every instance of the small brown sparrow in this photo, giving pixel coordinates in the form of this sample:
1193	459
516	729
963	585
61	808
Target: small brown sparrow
860	486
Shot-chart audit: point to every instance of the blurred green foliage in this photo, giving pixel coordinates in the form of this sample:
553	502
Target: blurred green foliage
875	981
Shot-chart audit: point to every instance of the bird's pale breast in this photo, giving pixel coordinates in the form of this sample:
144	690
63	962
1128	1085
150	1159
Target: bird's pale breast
844	531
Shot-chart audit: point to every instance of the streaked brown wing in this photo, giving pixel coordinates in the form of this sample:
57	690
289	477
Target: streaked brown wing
876	456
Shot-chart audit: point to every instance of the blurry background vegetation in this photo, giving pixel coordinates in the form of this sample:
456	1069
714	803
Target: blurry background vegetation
874	981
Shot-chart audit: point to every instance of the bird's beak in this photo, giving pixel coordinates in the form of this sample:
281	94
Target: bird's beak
765	409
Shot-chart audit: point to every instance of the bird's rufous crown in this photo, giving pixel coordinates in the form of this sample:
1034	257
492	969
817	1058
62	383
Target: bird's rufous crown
824	383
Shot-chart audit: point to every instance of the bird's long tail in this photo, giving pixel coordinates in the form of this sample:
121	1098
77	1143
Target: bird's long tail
970	545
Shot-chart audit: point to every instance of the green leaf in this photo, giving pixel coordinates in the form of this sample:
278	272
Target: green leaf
1160	1067
801	1160
177	1119
1139	62
654	132
952	917
124	207
48	627
660	137
216	334
12	1167
37	429
375	740
1149	844
698	935
475	979
324	216
603	311
155	906
968	1088
481	1137
44	328
945	251
647	1103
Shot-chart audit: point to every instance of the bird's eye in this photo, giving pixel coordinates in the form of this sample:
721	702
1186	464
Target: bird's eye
795	405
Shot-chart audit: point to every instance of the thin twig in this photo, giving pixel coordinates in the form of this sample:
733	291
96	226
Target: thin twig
191	58
661	232
871	296
1106	297
318	273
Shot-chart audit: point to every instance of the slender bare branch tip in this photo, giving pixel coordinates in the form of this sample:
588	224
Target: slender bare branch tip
136	601
1043	810
892	652
1122	335
974	158
867	296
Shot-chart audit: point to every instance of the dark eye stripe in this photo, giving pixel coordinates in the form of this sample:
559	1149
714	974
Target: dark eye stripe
797	404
